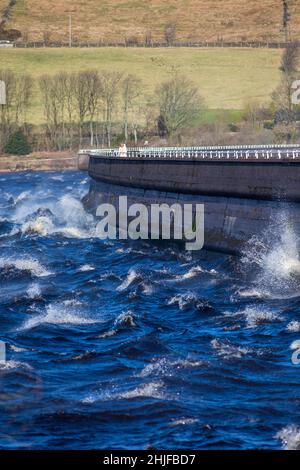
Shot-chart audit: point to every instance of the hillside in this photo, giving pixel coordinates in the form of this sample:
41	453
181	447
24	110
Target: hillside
227	78
115	20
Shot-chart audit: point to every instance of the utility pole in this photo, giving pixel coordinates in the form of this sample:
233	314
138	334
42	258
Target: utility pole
70	30
286	20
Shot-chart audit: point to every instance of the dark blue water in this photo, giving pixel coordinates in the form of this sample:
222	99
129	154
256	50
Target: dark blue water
132	345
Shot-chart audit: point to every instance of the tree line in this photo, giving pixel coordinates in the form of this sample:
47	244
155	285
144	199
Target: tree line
94	108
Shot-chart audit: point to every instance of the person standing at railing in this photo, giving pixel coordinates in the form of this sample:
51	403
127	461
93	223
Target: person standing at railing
123	150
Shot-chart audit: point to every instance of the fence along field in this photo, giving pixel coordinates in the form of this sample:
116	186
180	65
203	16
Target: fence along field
140	22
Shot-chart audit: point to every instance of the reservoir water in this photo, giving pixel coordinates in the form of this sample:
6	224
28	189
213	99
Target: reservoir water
136	345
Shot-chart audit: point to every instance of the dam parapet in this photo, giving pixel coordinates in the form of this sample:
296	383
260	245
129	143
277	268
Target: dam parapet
256	172
244	189
247	152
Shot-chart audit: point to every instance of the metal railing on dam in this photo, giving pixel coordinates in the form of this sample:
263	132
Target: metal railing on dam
241	152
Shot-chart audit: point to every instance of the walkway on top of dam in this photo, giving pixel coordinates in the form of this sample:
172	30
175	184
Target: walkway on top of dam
242	152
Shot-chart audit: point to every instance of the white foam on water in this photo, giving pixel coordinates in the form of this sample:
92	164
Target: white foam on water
252	292
25	264
86	267
183	421
12	365
167	367
126	319
290	437
22	197
16	348
150	390
73	232
228	350
188	300
107	334
147	288
274	260
34	291
293	326
40	226
66	217
57	178
256	316
72	302
130	278
183	300
14	231
295	345
72	212
59	314
190	274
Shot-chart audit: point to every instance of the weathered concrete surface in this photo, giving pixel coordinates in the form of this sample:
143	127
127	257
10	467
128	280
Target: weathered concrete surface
83	161
229	221
254	179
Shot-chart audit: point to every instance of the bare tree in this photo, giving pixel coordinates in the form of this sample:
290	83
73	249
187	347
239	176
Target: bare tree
148	38
95	93
6	117
18	95
110	90
23	95
282	97
51	105
179	104
70	107
46	36
82	99
131	90
170	33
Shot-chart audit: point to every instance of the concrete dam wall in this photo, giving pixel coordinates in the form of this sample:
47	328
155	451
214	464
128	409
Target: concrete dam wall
244	190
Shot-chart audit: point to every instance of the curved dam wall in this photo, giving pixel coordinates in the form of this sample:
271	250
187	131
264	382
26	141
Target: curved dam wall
242	198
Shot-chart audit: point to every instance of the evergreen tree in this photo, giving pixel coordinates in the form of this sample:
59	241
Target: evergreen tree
18	144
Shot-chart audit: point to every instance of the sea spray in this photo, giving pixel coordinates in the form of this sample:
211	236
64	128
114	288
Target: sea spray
271	262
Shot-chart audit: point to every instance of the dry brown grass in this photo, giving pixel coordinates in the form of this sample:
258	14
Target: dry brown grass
113	20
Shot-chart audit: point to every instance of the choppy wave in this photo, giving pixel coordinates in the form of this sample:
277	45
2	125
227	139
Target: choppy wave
227	350
256	316
184	421
21	197
36	215
141	337
86	267
290	437
59	314
189	300
34	291
293	326
149	390
30	265
126	319
131	277
13	365
274	260
40	226
169	367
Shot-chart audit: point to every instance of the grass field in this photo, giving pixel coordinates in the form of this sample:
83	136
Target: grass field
228	79
115	20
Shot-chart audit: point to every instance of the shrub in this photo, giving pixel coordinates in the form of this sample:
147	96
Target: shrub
233	127
18	144
269	124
